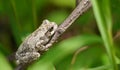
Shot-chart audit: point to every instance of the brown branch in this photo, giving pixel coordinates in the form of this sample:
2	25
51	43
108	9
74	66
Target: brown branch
77	2
82	7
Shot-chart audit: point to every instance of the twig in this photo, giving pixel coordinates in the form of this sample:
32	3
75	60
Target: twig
76	54
21	67
77	2
82	7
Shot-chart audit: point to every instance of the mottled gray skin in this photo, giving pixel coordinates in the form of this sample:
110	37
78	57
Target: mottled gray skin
36	42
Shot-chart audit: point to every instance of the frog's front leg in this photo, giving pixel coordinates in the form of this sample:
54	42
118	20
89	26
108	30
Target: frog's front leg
43	45
40	45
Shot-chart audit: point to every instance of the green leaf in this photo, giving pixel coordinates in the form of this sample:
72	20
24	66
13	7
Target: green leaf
65	48
4	64
102	13
84	59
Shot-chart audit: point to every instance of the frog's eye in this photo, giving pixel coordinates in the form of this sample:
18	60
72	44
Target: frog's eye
51	29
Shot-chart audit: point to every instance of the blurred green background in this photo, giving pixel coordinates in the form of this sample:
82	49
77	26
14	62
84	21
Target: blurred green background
91	43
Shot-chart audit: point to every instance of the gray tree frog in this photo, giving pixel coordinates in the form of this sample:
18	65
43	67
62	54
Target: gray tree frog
35	43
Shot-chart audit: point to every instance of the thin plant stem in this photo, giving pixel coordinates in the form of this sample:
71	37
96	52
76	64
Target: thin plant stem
106	32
